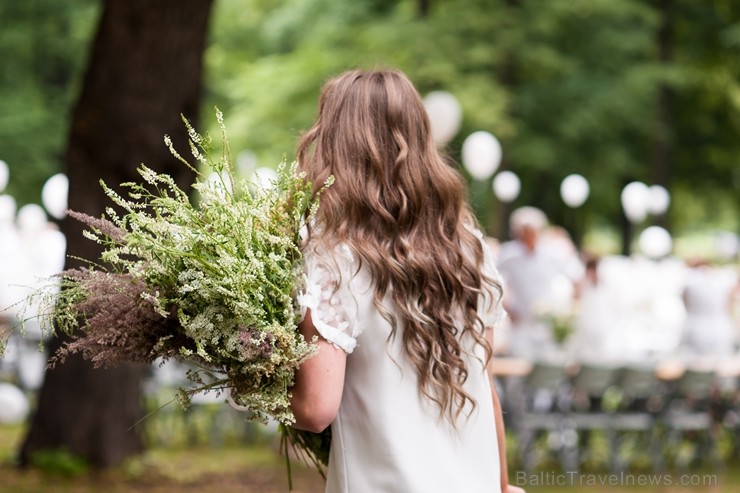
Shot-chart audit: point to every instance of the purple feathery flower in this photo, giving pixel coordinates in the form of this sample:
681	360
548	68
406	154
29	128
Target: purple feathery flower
105	226
256	343
120	325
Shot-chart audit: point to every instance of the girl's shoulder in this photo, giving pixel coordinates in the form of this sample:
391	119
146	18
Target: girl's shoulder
489	255
338	256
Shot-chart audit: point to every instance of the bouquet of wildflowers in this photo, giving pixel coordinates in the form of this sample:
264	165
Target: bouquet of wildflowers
211	284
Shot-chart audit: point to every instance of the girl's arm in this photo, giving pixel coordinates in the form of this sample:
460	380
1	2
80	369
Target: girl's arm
500	430
319	382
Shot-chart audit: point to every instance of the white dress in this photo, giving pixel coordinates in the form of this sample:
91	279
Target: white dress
386	437
709	329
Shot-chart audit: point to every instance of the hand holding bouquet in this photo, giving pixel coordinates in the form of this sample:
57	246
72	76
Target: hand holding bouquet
211	284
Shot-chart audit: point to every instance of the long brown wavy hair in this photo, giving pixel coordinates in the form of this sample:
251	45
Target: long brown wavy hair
403	211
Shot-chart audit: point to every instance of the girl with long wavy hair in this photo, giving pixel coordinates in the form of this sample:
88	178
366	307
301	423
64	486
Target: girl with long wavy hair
401	298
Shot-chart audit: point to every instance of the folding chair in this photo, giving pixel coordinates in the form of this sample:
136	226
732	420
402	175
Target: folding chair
688	419
587	413
641	399
538	411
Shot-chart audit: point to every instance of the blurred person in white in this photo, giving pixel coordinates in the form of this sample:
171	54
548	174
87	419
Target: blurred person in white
596	329
557	242
709	329
539	286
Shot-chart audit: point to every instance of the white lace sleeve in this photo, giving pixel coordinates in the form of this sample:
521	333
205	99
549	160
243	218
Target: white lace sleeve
327	294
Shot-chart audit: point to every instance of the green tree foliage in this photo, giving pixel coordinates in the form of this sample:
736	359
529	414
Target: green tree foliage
44	46
568	86
707	118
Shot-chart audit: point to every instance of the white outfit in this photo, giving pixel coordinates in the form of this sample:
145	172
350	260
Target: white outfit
596	336
537	284
387	438
709	329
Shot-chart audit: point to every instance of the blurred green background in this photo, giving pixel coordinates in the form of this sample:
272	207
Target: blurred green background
615	90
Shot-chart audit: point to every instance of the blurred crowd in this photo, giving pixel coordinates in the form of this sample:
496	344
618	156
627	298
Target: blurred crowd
32	251
564	304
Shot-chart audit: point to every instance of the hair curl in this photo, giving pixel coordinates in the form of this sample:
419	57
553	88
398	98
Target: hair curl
403	211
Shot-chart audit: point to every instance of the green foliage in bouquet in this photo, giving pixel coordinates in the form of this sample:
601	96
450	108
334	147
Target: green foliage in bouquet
311	447
211	284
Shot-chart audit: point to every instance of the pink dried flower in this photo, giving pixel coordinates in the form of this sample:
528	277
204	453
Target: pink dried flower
105	226
256	343
119	325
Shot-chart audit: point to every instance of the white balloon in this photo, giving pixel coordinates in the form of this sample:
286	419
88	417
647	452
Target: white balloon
31	218
574	190
13	404
660	199
481	154
220	182
4	175
655	242
445	115
245	162
8	208
635	201
264	177
54	195
506	186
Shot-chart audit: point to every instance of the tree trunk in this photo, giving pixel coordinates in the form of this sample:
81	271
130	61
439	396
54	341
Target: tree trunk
145	70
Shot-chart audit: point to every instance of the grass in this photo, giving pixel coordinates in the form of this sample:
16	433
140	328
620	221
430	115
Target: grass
202	468
231	467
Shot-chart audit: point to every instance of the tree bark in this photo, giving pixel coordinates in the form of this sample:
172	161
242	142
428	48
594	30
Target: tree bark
144	71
